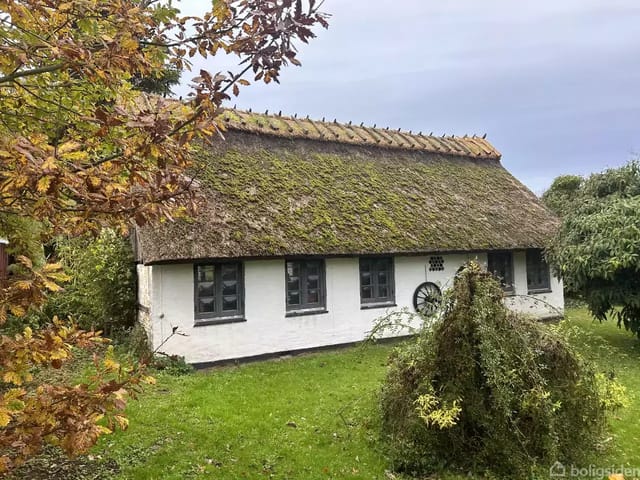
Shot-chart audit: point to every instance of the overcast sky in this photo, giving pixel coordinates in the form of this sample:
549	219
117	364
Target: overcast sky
554	83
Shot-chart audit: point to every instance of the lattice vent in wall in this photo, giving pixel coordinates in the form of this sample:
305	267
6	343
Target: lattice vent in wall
436	263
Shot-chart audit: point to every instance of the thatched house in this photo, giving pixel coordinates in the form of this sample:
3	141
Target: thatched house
315	229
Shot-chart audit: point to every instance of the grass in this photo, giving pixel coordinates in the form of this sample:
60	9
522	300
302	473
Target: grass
313	417
616	352
305	417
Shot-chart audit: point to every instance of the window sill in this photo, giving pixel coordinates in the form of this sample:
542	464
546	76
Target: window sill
300	313
372	305
204	322
509	293
539	290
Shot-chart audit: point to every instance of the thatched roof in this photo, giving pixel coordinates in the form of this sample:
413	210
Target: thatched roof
292	127
283	187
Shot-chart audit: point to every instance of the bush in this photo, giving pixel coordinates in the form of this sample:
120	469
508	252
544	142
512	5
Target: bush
483	389
102	292
172	365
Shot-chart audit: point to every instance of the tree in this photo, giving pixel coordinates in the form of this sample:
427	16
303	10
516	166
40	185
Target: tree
597	249
562	194
82	149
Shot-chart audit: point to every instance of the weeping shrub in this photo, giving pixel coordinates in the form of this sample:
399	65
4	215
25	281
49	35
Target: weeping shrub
483	389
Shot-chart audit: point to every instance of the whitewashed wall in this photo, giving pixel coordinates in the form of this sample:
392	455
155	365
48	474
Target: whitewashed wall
144	274
268	330
540	305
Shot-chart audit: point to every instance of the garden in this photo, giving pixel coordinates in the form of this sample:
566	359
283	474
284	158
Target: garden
313	416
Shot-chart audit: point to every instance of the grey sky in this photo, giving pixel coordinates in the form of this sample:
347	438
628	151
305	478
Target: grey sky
554	83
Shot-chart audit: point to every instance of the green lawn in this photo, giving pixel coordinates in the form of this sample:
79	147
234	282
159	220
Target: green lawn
311	417
305	417
617	352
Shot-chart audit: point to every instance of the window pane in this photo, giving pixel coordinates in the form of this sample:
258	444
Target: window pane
508	272
313	268
384	264
312	282
365	278
383	292
229	287
293	297
206	305
537	271
383	278
205	273
499	264
293	283
230	302
205	289
293	269
313	296
229	272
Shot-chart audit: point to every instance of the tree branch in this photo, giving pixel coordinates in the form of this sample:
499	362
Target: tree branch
28	73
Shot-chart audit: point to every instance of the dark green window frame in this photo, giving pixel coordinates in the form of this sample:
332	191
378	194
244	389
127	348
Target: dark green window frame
305	287
538	276
377	285
218	293
500	265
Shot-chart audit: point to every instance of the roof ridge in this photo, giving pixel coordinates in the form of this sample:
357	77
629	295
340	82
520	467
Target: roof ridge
322	130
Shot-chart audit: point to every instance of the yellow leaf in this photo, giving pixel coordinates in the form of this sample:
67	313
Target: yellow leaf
52	267
150	380
128	43
123	422
43	184
5	418
17	310
69	147
154	150
23	284
111	364
49	164
25	261
51	286
28	333
12	377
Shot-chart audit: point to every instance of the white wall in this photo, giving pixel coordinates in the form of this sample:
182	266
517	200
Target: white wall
268	330
539	305
144	273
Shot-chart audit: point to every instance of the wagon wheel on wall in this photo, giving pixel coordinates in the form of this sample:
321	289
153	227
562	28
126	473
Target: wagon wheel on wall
427	298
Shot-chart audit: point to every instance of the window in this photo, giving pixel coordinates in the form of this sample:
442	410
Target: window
436	263
500	264
218	293
305	286
538	279
376	281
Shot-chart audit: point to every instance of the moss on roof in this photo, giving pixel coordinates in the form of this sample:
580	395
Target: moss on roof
271	196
